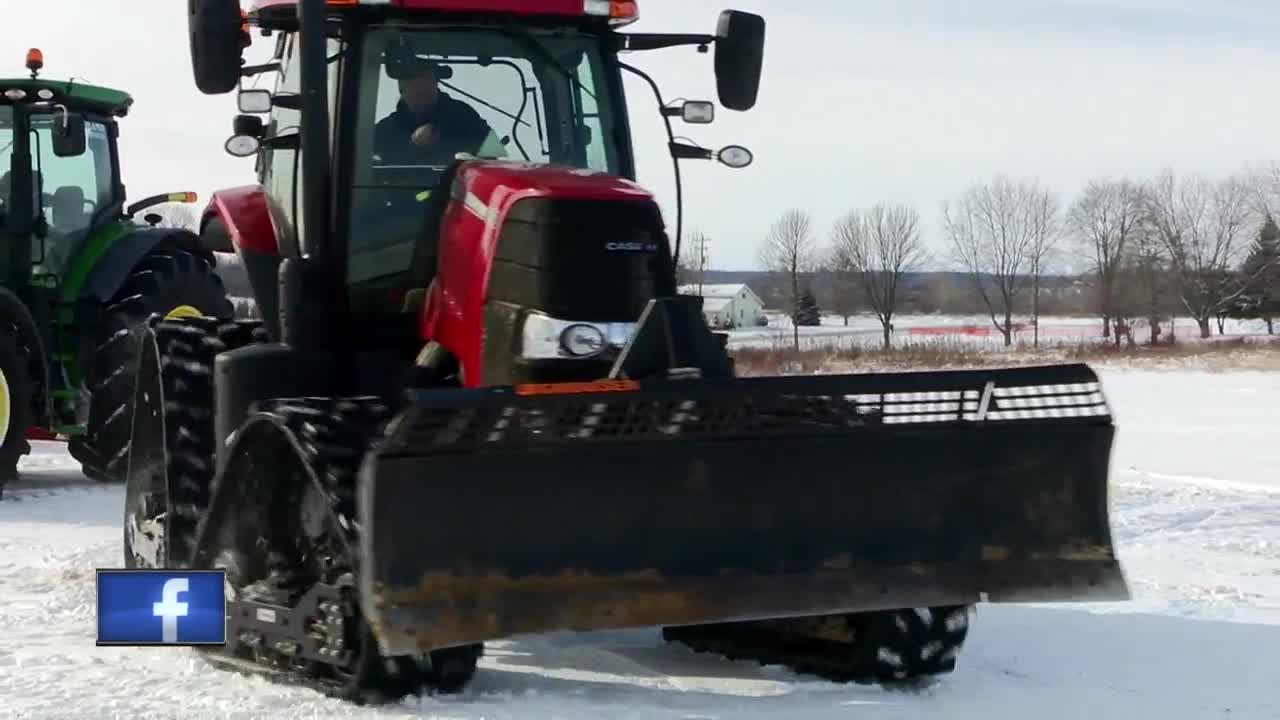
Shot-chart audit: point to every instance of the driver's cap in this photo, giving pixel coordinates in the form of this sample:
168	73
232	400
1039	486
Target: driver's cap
403	62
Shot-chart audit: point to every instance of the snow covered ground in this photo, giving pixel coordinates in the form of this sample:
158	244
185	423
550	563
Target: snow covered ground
1196	512
970	330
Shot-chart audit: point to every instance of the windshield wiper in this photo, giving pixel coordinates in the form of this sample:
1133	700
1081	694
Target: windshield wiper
450	86
529	41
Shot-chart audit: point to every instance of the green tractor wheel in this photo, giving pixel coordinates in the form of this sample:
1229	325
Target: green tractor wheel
170	282
15	406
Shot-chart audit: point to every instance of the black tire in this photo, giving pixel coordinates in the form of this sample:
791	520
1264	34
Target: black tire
165	279
909	647
213	32
15	389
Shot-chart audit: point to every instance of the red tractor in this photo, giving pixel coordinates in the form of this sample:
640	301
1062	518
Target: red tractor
477	407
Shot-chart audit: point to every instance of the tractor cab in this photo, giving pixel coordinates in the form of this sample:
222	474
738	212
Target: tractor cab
524	100
61	174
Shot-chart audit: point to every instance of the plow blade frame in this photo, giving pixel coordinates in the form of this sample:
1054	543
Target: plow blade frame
491	513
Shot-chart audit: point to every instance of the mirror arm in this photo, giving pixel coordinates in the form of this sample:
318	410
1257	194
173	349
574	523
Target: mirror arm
683	151
634	42
251	70
675	162
292	141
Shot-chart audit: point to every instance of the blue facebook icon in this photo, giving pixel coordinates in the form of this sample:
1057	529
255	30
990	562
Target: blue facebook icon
161	607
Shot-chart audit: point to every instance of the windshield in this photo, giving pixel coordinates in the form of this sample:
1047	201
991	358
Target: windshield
6	162
69	189
430	94
73	188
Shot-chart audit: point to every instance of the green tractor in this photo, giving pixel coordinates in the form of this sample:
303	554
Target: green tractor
78	275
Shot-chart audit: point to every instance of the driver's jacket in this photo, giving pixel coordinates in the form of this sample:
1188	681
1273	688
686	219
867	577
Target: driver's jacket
460	130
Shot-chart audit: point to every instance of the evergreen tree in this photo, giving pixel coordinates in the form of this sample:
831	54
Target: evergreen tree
1261	277
807	311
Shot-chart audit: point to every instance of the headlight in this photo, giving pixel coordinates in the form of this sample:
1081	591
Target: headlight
548	338
582	340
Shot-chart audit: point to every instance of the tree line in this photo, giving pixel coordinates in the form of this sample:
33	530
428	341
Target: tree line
1155	248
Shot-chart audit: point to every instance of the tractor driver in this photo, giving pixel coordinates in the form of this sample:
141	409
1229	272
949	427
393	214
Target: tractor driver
428	127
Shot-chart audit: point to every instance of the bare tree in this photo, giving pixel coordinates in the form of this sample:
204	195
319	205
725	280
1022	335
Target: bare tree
1144	287
789	248
844	297
695	260
1045	228
1103	221
992	232
878	246
1264	182
1201	224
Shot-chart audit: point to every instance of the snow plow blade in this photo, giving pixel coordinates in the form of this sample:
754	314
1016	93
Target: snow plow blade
496	512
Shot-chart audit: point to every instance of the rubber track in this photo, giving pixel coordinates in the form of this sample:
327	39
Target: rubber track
898	648
187	349
334	433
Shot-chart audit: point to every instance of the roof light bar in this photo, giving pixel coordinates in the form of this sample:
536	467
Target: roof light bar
618	12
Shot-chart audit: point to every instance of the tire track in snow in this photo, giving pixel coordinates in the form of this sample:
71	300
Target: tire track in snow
1202	546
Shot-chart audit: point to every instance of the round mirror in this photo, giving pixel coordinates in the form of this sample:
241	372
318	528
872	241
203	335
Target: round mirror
735	156
241	145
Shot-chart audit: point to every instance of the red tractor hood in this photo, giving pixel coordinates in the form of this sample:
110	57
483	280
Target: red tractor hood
492	181
483	193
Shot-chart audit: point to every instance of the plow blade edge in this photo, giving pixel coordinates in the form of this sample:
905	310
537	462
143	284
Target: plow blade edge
495	512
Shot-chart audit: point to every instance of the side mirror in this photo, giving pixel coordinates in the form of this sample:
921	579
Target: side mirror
254	101
68	136
739	58
694	112
216	40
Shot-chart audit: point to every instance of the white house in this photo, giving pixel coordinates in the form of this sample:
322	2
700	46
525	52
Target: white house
728	306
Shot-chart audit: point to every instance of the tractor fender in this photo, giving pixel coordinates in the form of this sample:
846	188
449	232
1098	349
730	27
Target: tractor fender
14	310
121	257
248	221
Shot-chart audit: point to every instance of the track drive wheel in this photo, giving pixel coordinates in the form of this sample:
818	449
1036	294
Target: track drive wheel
168	282
15	406
904	649
897	649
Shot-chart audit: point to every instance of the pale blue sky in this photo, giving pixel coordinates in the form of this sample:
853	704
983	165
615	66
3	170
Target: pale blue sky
903	101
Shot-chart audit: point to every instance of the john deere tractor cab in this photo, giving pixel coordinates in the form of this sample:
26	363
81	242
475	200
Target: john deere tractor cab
477	408
76	269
